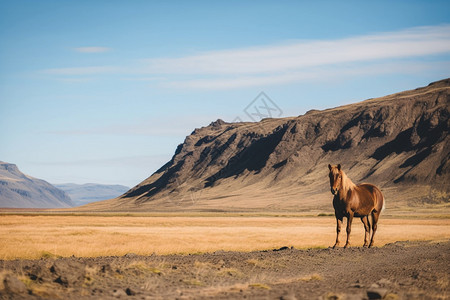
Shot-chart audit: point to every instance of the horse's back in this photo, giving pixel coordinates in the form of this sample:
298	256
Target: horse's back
372	191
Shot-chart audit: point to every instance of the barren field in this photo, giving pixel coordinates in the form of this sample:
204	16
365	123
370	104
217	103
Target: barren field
209	256
36	236
402	270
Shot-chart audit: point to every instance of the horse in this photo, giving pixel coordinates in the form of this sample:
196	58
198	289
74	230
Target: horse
351	200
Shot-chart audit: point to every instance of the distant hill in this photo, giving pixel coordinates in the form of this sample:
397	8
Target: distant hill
90	192
399	142
18	190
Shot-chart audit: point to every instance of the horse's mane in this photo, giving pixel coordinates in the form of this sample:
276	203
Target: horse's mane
347	183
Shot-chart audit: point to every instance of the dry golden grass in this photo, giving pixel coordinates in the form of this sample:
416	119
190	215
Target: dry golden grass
35	236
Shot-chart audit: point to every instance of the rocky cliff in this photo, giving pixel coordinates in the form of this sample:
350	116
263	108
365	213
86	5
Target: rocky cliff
399	142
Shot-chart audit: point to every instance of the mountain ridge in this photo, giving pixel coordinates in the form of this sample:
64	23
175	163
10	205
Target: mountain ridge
399	141
18	190
82	194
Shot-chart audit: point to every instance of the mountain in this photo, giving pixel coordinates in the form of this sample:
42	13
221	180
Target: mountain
90	192
18	190
399	142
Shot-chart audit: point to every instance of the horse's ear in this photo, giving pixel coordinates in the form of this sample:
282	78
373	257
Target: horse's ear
329	167
339	167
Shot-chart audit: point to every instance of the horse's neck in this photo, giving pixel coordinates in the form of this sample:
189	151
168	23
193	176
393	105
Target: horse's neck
347	184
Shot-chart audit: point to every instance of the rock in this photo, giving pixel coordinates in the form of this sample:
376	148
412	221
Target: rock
130	292
14	285
131	255
357	285
217	124
384	282
106	269
376	293
38	273
332	296
119	293
288	296
281	249
68	273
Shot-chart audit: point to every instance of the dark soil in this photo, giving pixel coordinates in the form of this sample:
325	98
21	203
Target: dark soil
403	270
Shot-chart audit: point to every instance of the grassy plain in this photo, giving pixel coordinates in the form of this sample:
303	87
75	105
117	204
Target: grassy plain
29	236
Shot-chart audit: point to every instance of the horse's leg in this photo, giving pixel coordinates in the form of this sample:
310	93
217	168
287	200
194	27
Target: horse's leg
338	229
375	216
366	223
349	228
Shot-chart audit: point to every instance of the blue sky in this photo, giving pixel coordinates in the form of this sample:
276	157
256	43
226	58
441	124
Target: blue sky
104	91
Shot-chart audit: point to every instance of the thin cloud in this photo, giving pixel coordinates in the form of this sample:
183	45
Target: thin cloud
78	71
92	49
396	52
310	74
125	160
384	53
413	42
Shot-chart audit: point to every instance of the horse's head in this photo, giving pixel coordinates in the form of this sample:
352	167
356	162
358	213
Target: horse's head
335	178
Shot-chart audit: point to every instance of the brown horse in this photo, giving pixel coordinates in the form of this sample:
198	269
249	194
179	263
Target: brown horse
352	200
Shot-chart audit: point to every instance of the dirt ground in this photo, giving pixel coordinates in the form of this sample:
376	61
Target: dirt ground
401	270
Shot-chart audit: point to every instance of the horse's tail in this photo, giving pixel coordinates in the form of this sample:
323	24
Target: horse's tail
380	196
